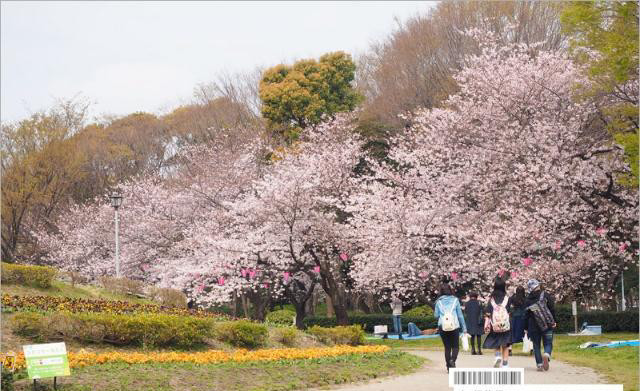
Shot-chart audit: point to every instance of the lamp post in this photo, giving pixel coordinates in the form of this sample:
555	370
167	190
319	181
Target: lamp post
624	304
116	201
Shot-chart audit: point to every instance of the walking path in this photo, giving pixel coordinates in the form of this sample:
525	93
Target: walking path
433	376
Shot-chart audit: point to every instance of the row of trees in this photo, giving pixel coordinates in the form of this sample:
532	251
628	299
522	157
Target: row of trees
512	175
509	162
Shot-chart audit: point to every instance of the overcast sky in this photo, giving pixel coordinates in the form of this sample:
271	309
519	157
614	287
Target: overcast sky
148	56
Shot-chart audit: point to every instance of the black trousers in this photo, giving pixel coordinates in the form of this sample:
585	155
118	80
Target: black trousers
451	342
479	339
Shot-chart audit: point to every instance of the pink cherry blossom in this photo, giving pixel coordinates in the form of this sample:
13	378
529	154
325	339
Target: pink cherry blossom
582	243
344	256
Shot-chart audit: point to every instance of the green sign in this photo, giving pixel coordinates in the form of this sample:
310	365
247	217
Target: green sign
46	360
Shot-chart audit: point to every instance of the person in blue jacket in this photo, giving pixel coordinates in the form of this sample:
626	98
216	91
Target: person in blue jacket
448	303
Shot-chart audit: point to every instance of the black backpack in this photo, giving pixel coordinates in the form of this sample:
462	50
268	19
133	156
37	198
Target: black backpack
542	313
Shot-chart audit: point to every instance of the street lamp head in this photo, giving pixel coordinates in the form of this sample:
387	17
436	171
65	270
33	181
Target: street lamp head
116	200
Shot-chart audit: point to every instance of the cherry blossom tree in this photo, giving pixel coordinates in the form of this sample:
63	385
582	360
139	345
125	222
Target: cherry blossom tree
289	228
508	168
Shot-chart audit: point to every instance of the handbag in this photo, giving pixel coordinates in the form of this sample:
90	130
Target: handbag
465	342
527	345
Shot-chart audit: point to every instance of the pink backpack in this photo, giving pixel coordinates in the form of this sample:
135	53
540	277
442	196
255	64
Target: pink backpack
500	317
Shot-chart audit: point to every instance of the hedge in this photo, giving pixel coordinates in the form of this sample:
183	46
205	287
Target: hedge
30	275
368	321
147	330
610	321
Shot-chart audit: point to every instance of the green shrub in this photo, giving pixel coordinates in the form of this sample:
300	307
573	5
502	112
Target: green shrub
287	336
148	330
423	311
122	285
30	275
26	324
340	335
242	333
168	297
283	317
370	320
7	380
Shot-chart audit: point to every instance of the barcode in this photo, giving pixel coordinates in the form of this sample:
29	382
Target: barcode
485	376
542	387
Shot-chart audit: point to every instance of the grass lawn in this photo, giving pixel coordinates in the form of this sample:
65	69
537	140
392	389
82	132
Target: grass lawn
618	365
263	376
61	289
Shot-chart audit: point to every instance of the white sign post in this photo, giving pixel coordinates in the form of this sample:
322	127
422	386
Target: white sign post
574	312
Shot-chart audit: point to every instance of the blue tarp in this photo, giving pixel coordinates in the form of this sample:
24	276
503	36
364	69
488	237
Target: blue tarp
614	344
406	336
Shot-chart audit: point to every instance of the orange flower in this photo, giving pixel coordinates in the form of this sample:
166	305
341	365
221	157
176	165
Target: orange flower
81	359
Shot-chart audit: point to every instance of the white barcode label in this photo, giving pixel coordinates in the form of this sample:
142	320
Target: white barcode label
542	387
485	376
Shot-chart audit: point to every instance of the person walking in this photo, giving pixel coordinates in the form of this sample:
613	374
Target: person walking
450	323
518	308
497	324
540	320
475	321
396	306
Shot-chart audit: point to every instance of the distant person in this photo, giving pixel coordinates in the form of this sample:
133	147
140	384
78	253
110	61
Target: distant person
497	324
450	322
396	307
540	320
475	321
518	308
413	330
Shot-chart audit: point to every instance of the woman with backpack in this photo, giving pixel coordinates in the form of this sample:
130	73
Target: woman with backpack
518	308
497	324
450	321
540	320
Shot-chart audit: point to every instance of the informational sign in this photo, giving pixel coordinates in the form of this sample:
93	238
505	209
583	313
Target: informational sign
574	308
46	360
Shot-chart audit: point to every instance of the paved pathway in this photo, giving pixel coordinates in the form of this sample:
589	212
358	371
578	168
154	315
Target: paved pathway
433	376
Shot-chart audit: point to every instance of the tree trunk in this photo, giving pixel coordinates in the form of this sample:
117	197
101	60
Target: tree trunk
245	305
330	312
300	314
235	304
340	308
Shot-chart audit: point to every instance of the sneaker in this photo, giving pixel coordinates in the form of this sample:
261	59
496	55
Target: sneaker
505	365
479	352
473	353
498	362
540	368
545	361
452	364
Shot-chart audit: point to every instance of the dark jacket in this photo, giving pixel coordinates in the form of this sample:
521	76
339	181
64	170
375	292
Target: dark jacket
475	320
529	320
517	310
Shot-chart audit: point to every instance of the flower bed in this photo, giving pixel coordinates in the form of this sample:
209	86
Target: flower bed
81	359
49	303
